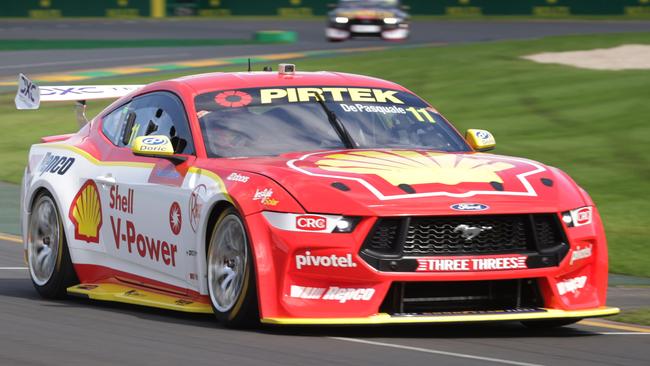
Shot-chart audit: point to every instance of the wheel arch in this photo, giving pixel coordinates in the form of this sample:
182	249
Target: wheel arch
35	191
64	265
210	213
214	212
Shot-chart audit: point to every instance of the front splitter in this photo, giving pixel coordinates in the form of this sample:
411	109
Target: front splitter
383	318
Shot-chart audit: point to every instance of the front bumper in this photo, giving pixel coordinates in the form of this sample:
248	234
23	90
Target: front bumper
322	278
367	29
383	318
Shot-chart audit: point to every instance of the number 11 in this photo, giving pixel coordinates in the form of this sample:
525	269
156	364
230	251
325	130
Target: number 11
418	113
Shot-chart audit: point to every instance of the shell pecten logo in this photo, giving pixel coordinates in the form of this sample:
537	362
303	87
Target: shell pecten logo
413	167
86	213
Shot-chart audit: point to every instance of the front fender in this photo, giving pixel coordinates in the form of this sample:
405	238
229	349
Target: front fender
250	194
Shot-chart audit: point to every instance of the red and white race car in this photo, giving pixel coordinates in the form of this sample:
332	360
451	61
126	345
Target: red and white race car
302	198
367	18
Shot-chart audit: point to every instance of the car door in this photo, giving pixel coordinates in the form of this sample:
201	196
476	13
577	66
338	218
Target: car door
148	203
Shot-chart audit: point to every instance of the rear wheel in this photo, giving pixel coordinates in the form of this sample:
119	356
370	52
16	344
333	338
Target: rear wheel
549	324
231	278
50	267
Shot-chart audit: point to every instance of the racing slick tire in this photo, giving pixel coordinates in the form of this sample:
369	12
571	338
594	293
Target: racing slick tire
48	257
548	324
231	275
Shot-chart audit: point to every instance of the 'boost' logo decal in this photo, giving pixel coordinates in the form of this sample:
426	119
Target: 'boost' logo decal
233	98
86	213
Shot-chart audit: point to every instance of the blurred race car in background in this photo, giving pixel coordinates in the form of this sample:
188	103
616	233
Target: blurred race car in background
362	18
302	198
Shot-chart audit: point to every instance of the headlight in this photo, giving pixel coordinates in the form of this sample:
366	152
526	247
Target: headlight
311	222
578	217
391	20
346	224
341	20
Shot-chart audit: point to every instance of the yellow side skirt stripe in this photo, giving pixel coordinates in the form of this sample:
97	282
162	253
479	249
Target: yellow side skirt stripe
383	318
130	295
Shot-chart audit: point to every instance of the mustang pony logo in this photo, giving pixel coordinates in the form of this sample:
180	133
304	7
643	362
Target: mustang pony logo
470	232
412	167
86	213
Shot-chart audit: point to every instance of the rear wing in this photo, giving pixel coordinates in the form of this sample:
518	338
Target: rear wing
30	95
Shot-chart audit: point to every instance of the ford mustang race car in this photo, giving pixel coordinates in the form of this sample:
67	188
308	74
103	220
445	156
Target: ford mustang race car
361	18
302	198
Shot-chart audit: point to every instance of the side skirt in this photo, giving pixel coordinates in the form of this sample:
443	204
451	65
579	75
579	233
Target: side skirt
137	296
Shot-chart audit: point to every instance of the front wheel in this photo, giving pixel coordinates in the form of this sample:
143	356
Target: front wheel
50	267
231	278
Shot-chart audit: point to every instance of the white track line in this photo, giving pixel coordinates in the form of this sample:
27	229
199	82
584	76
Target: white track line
623	333
13	267
436	352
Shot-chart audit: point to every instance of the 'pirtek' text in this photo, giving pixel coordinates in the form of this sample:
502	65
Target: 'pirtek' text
293	95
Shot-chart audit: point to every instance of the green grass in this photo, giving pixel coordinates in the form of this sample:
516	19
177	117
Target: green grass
638	316
592	124
60	44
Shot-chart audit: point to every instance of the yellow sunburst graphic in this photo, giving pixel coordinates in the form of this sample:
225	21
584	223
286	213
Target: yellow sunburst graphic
413	167
86	213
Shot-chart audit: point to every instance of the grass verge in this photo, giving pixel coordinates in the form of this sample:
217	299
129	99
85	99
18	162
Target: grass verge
591	124
638	316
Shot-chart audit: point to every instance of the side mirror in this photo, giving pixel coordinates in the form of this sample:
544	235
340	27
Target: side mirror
154	145
480	140
405	7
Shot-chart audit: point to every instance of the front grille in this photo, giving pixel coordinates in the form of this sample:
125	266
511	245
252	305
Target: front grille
384	236
547	231
459	296
355	21
440	235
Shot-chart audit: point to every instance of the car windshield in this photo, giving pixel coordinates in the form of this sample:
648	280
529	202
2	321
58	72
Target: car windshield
272	121
373	3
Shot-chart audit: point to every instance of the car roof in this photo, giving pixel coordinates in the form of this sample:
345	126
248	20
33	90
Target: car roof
203	83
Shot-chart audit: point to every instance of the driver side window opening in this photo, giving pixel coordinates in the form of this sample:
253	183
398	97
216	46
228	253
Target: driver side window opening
113	123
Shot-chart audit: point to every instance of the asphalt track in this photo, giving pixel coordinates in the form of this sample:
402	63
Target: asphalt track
82	332
310	34
34	331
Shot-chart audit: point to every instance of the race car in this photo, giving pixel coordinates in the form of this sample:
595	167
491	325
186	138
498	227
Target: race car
302	198
362	18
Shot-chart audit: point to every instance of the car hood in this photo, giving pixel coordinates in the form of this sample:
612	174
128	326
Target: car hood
387	182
